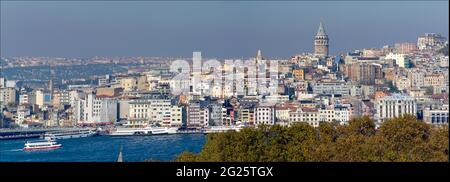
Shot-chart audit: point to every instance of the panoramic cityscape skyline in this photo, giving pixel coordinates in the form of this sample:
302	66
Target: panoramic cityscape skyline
169	29
224	82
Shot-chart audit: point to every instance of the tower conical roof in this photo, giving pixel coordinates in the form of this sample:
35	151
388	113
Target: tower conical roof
321	31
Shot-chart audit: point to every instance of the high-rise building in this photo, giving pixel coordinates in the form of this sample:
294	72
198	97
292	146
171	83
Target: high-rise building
95	109
60	98
23	98
216	114
363	73
41	98
8	96
197	116
321	42
177	116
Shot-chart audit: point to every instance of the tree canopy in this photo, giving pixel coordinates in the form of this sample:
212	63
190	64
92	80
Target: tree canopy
400	139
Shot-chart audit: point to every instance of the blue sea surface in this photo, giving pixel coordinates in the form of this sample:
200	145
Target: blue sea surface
105	149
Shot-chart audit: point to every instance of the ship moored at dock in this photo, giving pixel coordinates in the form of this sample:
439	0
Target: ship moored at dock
127	131
66	134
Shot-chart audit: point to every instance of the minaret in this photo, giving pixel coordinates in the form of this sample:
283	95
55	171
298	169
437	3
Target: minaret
50	86
120	158
332	98
258	56
321	42
259	59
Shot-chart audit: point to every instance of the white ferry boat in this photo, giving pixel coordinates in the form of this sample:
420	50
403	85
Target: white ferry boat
66	134
41	145
218	129
125	131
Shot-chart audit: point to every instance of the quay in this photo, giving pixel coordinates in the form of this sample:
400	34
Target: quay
9	134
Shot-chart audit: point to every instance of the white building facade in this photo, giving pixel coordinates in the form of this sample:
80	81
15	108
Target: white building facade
395	106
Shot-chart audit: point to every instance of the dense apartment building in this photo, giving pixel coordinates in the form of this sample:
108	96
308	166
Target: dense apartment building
177	117
416	77
8	95
331	87
363	73
61	98
434	80
395	106
436	116
402	83
265	114
198	116
150	110
430	41
307	115
92	109
401	60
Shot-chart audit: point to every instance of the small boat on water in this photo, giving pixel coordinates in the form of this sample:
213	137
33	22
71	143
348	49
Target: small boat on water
41	145
66	134
125	131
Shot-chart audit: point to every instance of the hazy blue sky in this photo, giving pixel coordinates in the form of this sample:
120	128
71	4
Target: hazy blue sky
218	29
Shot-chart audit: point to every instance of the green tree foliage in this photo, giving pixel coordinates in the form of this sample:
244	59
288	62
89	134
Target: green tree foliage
185	156
392	87
396	140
